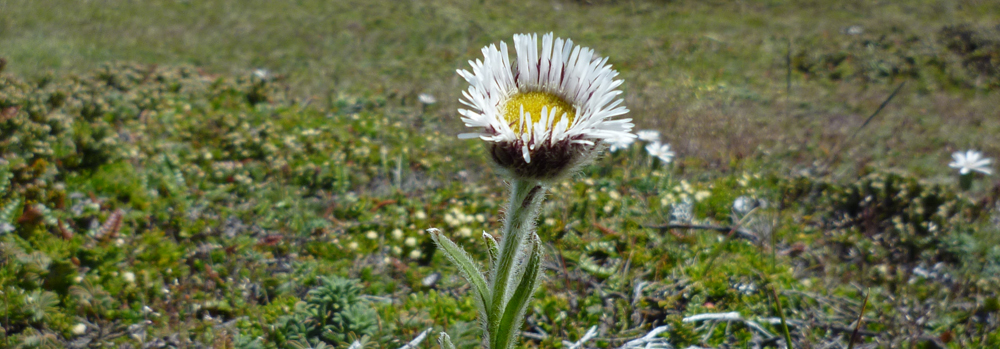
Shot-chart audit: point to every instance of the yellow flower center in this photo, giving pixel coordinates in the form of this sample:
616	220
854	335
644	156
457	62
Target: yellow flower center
533	103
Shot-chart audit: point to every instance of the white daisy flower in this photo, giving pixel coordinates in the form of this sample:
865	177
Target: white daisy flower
546	113
971	160
648	135
661	151
620	143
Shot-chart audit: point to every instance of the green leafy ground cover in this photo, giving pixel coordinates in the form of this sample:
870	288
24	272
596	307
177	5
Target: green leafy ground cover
179	205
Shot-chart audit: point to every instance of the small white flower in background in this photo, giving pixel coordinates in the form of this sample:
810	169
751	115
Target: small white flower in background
661	151
426	98
667	199
969	161
415	254
371	234
352	245
421	215
305	133
451	220
410	241
702	195
397	234
261	73
620	143
129	277
648	135
465	232
79	329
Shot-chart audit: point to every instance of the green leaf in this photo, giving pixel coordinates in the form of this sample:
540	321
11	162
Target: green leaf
468	268
514	312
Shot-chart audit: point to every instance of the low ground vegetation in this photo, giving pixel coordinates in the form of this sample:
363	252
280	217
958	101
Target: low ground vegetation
161	207
199	199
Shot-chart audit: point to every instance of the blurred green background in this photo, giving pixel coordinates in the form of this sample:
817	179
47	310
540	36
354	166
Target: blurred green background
710	74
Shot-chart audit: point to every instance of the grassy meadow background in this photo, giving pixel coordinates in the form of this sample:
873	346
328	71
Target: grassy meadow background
258	174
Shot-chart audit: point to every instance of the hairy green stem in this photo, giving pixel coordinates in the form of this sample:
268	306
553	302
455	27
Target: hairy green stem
522	210
514	311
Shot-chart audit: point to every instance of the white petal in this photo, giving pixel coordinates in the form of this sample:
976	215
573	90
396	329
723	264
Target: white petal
573	73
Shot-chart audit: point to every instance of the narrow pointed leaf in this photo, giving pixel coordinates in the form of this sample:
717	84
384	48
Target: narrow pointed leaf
468	268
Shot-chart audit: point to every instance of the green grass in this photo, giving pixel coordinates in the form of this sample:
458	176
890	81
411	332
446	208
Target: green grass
227	196
712	75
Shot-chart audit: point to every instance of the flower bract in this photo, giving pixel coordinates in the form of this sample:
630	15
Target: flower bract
548	111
